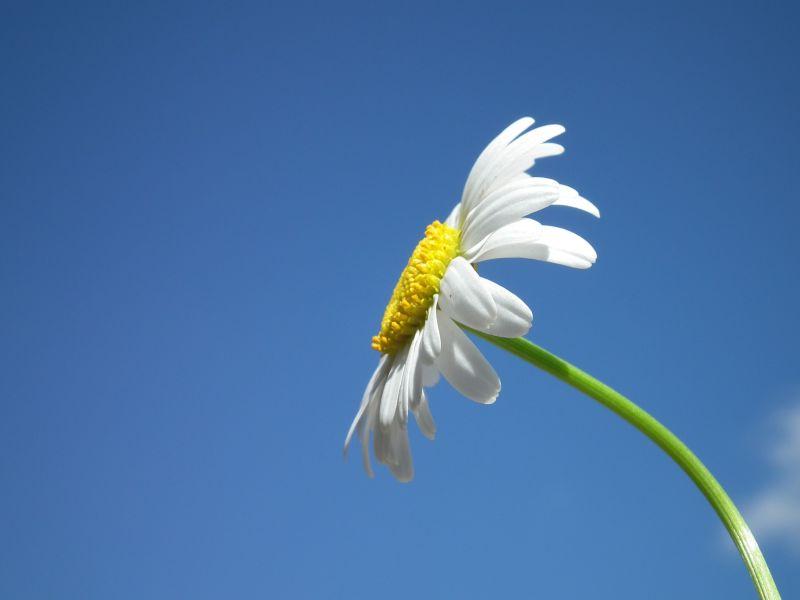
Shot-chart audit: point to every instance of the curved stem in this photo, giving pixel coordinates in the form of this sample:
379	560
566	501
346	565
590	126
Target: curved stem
665	439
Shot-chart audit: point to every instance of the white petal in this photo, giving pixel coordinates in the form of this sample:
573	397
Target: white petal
502	209
463	297
369	424
497	197
399	459
520	155
525	143
566	259
563	244
523	163
486	158
567	196
377	377
513	315
528	239
391	391
546	150
464	366
430	374
380	443
431	342
570	197
425	419
508	241
391	447
411	388
453	219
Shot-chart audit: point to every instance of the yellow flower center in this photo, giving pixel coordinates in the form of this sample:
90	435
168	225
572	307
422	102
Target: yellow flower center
419	281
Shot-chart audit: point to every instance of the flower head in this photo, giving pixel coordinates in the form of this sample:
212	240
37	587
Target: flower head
440	288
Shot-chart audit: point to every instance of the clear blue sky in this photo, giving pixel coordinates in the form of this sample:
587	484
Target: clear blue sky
203	210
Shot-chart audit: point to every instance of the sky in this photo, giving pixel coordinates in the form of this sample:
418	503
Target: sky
204	208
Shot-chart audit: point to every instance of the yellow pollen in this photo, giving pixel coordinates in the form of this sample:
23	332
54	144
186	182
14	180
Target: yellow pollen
419	281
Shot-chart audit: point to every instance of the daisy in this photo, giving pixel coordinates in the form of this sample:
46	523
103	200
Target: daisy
440	288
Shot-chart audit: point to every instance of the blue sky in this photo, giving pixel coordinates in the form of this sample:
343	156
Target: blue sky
203	210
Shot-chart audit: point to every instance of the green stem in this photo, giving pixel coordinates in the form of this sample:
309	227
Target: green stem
665	439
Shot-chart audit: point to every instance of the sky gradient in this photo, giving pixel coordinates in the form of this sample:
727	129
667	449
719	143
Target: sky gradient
204	208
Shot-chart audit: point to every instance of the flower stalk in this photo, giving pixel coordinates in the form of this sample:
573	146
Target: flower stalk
664	438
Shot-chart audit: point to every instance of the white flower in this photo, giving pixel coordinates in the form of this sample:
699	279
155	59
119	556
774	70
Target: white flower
440	287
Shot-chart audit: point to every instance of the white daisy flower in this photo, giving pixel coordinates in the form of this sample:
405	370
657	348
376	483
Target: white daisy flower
440	287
